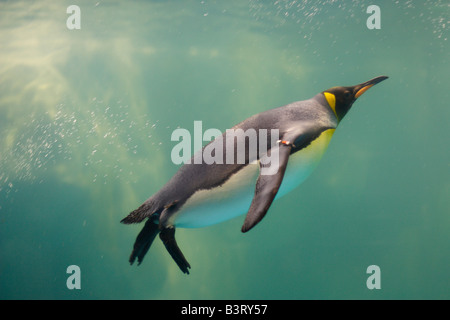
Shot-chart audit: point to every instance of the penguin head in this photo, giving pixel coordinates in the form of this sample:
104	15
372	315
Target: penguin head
340	99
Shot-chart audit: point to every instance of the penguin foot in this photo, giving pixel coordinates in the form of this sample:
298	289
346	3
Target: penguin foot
167	236
143	241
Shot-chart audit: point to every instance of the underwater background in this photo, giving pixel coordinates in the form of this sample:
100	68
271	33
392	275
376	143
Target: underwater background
86	118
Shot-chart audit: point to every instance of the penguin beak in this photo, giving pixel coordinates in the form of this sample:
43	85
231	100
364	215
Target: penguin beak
363	87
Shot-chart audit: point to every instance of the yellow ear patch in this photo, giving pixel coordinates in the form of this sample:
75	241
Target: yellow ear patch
331	99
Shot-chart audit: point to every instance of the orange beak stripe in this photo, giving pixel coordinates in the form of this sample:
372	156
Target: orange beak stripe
362	90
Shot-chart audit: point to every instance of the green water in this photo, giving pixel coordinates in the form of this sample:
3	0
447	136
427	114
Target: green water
86	118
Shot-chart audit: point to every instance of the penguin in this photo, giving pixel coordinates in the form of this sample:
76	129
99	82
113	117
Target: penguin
202	194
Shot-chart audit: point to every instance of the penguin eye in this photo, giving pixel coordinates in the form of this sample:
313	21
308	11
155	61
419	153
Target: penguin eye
347	95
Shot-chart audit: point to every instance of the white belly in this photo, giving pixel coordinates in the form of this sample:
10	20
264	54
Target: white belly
233	198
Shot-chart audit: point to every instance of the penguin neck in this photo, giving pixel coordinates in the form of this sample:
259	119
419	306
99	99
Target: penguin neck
322	100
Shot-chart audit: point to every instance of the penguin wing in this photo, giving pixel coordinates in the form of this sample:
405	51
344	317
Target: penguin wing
267	187
296	137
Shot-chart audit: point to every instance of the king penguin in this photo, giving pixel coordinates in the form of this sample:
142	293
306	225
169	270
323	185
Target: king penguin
202	194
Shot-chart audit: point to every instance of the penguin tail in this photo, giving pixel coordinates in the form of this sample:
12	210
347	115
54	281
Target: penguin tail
136	216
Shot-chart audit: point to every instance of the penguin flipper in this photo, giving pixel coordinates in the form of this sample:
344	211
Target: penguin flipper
267	187
167	236
298	136
143	241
